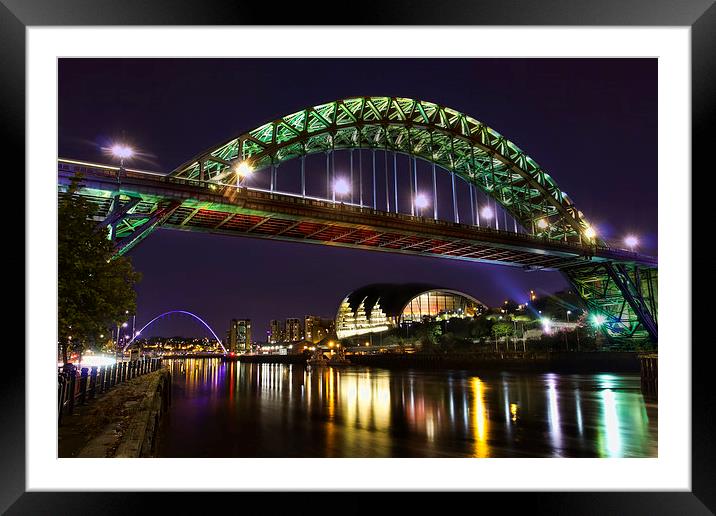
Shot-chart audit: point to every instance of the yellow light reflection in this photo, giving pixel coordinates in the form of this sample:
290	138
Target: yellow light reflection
480	422
513	411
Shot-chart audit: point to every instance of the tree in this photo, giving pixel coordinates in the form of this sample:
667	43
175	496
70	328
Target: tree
502	329
94	290
428	334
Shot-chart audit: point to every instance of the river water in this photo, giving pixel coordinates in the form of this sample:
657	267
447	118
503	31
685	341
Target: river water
234	409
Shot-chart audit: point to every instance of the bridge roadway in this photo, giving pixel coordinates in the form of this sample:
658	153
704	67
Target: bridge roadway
189	205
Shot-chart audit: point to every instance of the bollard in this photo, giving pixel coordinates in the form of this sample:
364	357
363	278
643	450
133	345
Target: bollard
125	371
130	369
83	386
93	382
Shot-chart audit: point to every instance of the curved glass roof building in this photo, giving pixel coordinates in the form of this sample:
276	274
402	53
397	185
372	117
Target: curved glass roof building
382	306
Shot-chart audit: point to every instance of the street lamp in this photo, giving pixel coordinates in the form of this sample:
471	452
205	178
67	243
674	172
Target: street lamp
122	152
487	212
421	201
631	242
590	233
242	170
341	187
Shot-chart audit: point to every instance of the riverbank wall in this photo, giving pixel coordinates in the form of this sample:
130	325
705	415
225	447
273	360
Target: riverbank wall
122	423
557	362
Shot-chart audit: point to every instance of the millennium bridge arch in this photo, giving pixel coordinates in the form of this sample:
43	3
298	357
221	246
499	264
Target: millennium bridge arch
210	193
183	312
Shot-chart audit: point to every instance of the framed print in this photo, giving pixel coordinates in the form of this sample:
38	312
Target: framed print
524	173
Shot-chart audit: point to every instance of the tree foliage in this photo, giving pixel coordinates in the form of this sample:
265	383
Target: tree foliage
95	292
502	329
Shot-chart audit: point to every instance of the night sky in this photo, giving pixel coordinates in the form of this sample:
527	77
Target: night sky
591	123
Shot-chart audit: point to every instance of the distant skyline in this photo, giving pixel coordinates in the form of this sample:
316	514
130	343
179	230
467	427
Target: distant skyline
591	123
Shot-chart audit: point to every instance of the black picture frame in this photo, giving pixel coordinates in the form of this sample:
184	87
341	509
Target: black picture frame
700	15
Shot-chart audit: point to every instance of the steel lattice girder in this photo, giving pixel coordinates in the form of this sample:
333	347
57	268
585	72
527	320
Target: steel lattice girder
625	294
437	134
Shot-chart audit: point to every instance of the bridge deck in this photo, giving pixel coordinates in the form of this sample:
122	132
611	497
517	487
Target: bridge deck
201	206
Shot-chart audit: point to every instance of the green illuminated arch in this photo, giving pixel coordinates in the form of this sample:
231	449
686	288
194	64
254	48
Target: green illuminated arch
434	133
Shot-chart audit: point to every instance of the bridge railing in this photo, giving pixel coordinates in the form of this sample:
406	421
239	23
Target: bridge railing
78	386
212	188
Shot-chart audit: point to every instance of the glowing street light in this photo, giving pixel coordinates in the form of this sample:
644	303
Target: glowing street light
243	170
590	233
546	325
598	320
542	223
122	152
341	187
631	242
487	212
421	201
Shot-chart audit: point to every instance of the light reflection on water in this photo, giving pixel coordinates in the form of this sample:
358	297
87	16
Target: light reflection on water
269	410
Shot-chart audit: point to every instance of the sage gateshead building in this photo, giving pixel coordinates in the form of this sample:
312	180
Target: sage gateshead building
380	307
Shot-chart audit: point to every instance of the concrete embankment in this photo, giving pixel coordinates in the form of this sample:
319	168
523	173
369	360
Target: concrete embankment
558	362
124	422
565	362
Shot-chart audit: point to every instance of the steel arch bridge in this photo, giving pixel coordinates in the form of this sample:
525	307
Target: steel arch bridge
184	312
442	136
209	193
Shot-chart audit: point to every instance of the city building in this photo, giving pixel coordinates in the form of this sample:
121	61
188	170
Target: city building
380	307
239	336
317	328
275	332
293	332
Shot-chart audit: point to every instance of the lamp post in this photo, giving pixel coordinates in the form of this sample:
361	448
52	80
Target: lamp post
123	325
566	341
122	152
